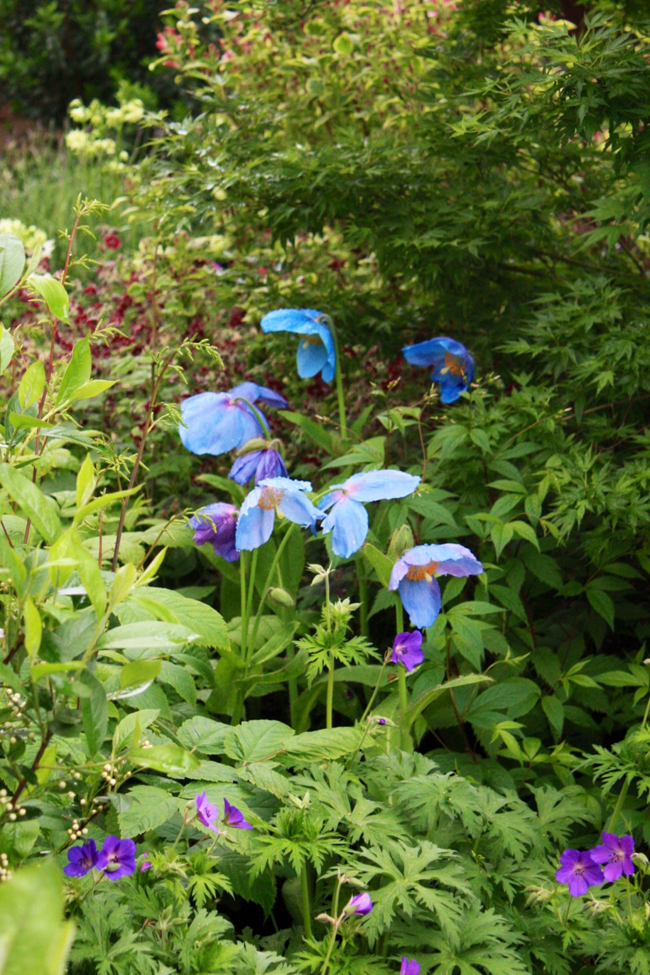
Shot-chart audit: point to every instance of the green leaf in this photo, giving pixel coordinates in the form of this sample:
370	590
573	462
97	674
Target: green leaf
85	482
603	604
94	713
32	502
44	670
203	735
34	938
554	711
382	565
136	677
53	294
31	385
33	628
91	389
325	745
140	720
314	431
152	636
422	702
181	680
147	808
253	741
198	617
6	348
77	372
12	262
170	759
275	645
343	44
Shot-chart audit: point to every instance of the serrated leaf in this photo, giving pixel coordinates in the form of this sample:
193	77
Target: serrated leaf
170	759
148	807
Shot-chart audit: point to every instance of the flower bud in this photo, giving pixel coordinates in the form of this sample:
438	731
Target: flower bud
281	597
401	541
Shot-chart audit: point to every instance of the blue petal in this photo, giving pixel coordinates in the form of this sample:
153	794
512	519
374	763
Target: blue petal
348	522
450	391
421	601
297	507
245	467
252	392
254	528
310	358
430	353
271	464
212	424
381	485
289	319
286	483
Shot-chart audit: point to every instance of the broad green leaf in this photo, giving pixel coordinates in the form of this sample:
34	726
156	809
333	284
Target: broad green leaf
146	636
198	617
602	603
31	385
554	711
33	628
422	702
170	759
12	262
254	741
203	735
31	500
34	938
275	645
44	670
85	482
314	430
382	565
180	679
147	808
94	713
126	729
91	389
6	348
53	294
325	745
77	372
102	502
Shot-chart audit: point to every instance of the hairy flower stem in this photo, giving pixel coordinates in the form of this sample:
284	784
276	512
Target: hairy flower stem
305	900
618	807
335	926
339	381
401	677
363	598
250	646
269	580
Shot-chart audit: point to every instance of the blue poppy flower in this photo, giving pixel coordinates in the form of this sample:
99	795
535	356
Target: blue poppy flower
414	575
316	349
348	519
258	464
453	365
214	423
217	523
274	495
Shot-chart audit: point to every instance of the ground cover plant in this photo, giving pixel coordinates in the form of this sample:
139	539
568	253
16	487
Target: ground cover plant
324	512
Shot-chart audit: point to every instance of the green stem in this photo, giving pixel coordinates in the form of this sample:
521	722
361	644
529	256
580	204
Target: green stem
269	579
249	605
306	905
363	598
244	604
645	714
339	381
617	808
335	927
330	694
365	714
401	677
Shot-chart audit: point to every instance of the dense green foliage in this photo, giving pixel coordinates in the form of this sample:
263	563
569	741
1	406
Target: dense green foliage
426	169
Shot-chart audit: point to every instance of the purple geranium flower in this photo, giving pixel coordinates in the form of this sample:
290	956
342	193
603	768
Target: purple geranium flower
217	523
414	576
316	350
579	871
616	855
146	863
453	365
409	966
208	814
232	816
214	423
82	859
359	904
258	464
407	649
348	519
117	858
273	495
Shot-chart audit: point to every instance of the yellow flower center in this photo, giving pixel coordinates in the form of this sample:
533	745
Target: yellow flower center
308	340
454	364
270	498
418	573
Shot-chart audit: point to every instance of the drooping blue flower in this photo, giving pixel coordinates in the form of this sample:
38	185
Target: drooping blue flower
414	575
217	523
214	423
117	858
579	871
258	464
232	816
615	854
316	349
407	649
81	859
274	495
453	365
348	519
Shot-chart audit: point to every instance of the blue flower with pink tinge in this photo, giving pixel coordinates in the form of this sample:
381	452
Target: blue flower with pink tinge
453	365
274	495
348	519
217	524
316	349
214	423
359	904
258	464
415	577
407	650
